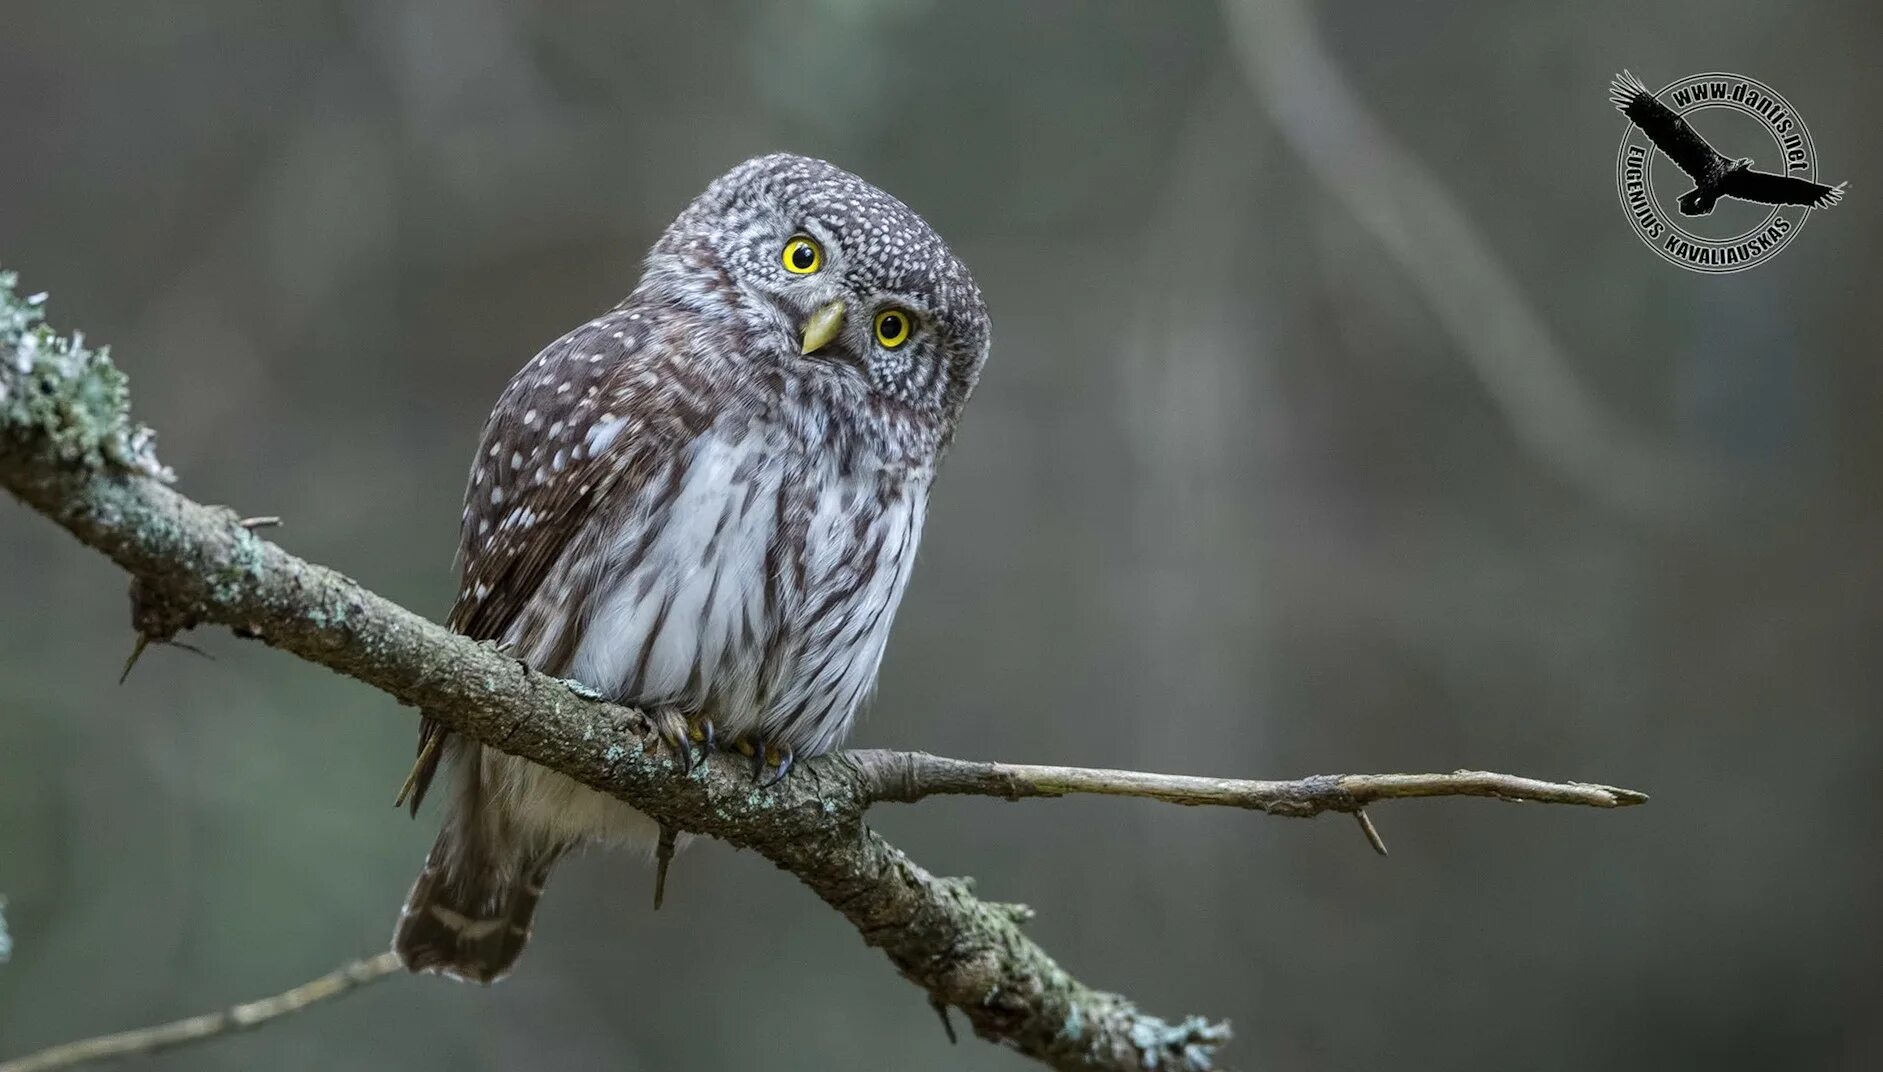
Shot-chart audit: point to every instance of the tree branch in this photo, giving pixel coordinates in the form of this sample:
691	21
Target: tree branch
69	450
244	1017
906	777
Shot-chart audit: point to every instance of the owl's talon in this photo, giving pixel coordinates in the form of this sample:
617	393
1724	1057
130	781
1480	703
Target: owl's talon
700	732
675	731
776	759
692	738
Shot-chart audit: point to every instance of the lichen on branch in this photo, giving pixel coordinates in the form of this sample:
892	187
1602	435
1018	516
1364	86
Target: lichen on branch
67	395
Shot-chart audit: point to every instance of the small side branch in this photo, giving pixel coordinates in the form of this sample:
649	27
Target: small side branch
906	777
243	1017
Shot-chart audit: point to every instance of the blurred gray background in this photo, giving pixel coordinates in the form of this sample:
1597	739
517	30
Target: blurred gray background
1336	421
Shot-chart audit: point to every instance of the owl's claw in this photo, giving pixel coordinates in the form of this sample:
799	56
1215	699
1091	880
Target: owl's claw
692	739
700	732
770	763
775	759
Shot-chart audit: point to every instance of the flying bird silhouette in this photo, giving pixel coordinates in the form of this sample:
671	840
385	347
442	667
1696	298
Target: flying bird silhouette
1713	175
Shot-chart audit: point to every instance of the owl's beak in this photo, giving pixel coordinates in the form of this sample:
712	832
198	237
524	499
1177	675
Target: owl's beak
822	327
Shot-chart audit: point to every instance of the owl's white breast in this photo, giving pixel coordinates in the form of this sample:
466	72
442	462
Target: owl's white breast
696	607
681	581
860	552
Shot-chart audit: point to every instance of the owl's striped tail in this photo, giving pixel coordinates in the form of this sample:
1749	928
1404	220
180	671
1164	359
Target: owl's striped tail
468	915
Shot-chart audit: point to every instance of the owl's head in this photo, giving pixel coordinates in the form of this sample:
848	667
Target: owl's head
828	271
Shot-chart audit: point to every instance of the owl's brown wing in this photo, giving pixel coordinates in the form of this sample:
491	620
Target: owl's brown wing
589	419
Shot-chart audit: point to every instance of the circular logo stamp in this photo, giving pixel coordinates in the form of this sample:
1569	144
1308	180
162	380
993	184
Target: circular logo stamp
1702	208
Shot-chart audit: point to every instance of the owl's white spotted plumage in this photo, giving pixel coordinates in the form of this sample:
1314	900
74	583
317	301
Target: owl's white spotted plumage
705	502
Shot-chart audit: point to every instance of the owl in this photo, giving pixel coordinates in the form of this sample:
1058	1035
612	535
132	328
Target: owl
704	503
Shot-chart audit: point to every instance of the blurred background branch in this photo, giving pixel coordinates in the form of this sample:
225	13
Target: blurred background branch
244	1017
1432	238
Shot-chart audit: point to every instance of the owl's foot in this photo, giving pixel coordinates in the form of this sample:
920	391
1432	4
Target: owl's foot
770	763
691	738
700	733
778	762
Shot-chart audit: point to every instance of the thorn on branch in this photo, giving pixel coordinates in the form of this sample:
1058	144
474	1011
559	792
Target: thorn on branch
154	615
144	641
663	855
137	652
253	523
157	622
1372	833
948	1025
424	762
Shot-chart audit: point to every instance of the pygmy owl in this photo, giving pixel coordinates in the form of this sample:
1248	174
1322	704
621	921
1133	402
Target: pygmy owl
705	504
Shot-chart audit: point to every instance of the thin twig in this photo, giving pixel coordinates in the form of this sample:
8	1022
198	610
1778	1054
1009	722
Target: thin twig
906	777
245	1017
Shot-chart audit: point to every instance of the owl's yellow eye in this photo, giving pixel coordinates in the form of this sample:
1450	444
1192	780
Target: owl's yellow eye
802	255
893	327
